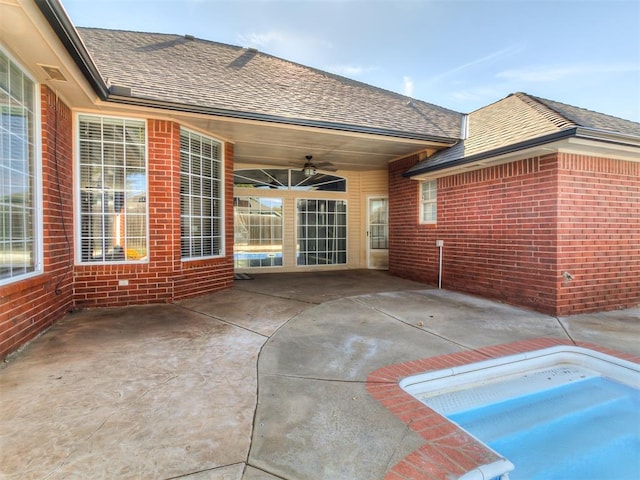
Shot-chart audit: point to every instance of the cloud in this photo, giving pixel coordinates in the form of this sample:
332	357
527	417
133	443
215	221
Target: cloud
261	40
489	58
349	70
407	86
555	73
480	93
292	46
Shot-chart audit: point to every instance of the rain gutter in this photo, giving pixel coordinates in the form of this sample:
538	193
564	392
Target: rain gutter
575	132
262	117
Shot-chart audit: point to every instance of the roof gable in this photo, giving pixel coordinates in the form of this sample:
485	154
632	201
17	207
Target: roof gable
517	121
192	72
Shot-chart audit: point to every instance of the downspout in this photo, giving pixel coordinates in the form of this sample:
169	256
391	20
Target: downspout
464	127
440	244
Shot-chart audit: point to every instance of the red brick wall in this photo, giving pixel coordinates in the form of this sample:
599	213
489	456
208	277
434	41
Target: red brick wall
510	231
151	282
30	306
498	227
165	278
201	276
598	233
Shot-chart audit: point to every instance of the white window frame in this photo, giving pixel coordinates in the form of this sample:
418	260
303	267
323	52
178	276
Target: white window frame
36	166
431	201
261	200
78	187
297	236
221	182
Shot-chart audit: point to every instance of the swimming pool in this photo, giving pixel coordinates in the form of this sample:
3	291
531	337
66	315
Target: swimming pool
561	412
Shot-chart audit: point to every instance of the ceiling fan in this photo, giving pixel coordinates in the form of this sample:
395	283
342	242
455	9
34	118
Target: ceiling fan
310	169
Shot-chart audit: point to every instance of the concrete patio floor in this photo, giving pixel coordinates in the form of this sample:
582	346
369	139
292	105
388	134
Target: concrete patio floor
265	381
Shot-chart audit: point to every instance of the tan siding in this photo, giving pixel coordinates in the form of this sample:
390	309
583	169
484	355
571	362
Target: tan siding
360	186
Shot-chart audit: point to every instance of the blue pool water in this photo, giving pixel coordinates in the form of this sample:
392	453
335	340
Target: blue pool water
588	429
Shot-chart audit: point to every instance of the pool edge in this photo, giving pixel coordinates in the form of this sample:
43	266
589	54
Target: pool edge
449	452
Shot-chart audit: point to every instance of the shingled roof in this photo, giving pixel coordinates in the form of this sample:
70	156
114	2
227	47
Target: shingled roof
226	79
520	121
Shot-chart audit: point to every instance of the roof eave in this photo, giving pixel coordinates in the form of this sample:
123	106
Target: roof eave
57	17
261	117
63	27
575	132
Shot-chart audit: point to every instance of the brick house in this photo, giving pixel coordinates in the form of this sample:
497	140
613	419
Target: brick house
147	168
538	206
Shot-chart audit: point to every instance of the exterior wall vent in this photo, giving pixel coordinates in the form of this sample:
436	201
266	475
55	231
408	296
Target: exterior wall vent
120	90
54	73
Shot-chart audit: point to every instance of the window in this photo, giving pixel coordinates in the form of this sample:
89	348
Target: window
287	179
19	242
428	201
322	232
378	224
113	189
201	202
257	231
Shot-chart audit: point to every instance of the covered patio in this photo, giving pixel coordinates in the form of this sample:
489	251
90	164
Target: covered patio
265	381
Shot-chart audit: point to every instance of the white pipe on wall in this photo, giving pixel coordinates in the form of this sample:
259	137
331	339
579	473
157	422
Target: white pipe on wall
440	244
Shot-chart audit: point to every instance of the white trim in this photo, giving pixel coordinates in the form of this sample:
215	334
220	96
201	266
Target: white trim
296	238
77	213
368	229
222	181
421	203
282	230
37	194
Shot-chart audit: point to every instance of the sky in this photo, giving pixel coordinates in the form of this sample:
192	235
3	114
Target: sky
458	54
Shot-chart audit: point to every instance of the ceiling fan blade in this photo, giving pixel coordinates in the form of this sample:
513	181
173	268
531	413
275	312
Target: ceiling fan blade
328	166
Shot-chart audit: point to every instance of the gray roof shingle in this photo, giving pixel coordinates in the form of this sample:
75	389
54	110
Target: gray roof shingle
192	72
517	119
589	119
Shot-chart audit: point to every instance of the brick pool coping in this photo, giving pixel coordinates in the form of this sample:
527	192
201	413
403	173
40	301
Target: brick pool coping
448	451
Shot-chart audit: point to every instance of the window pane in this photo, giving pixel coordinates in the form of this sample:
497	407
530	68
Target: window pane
321	232
257	232
277	179
200	196
113	196
18	242
284	179
429	196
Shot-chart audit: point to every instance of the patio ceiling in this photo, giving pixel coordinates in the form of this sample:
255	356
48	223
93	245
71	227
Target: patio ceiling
272	144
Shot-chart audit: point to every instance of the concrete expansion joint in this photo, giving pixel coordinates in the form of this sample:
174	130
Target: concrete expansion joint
186	475
272	295
302	377
227	322
392	460
564	329
419	326
271	474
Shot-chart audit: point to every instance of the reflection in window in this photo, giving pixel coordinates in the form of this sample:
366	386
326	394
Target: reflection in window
429	201
257	232
113	189
201	202
378	224
322	232
18	240
287	179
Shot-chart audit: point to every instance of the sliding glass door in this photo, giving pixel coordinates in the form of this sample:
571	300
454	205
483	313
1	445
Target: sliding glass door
321	232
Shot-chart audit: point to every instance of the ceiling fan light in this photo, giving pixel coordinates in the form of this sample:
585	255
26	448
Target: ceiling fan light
309	170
